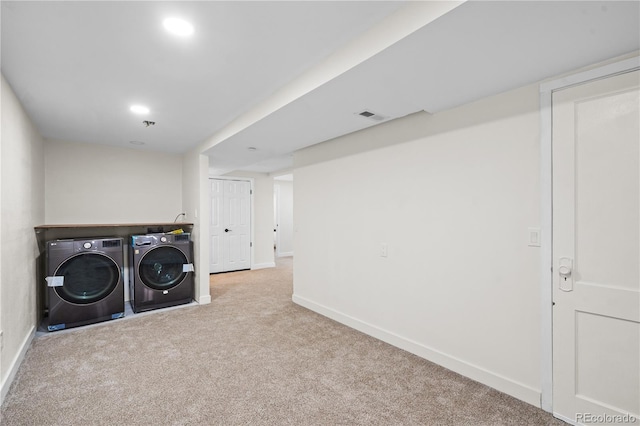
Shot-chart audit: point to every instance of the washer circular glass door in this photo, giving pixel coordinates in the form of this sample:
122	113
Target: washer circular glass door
88	278
162	268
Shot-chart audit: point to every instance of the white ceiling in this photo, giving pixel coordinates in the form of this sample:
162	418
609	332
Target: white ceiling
78	66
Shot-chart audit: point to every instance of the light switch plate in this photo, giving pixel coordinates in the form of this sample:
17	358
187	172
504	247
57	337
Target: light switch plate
534	237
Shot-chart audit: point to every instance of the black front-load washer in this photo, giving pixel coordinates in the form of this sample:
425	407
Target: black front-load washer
84	280
161	273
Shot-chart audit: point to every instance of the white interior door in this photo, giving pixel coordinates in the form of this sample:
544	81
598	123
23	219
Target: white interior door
230	225
236	213
596	251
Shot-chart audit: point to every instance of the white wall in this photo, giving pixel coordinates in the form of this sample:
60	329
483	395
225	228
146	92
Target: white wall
22	208
284	218
89	183
452	195
262	253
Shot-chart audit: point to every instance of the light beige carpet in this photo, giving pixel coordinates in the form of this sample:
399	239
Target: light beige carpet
250	357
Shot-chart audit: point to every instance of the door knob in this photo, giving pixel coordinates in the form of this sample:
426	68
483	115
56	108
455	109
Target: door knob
226	230
565	270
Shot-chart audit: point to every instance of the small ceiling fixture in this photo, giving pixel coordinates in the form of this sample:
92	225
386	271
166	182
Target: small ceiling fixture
252	148
136	143
178	26
139	109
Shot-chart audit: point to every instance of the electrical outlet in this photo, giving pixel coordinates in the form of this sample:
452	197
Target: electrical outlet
384	250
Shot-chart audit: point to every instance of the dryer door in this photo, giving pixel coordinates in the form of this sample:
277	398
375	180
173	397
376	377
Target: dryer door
161	268
88	278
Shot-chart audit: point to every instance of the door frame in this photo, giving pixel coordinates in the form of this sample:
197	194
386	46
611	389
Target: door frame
546	218
251	218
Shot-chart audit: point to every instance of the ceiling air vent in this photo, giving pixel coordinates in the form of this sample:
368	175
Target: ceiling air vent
372	115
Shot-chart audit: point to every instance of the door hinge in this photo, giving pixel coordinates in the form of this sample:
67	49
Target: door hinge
250	244
251	192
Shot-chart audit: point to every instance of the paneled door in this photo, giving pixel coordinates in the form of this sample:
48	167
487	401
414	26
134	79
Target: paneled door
230	225
596	251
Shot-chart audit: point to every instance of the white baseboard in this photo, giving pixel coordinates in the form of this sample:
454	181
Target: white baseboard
263	265
15	363
285	254
205	299
477	373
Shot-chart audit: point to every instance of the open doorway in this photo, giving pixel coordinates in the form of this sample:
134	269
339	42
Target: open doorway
283	215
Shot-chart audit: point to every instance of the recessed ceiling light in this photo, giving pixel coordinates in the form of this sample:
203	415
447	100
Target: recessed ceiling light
139	109
136	143
178	27
252	148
